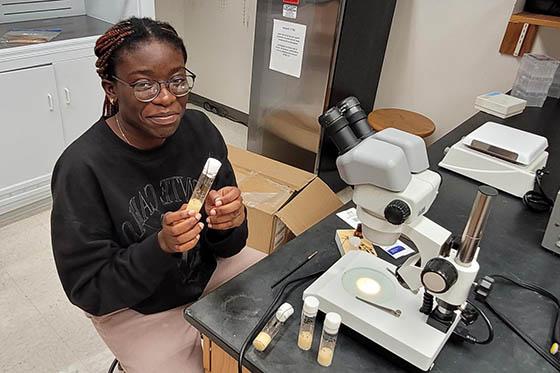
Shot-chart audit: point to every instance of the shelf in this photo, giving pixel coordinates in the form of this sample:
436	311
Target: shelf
522	31
72	28
536	19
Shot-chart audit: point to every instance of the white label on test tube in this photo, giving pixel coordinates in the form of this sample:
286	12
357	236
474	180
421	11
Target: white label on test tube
205	181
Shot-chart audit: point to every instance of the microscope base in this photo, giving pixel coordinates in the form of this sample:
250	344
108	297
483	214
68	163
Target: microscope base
364	275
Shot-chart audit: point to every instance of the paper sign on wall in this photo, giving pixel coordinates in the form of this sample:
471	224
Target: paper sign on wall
286	52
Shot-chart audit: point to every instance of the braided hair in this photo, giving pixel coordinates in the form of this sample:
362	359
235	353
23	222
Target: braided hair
126	35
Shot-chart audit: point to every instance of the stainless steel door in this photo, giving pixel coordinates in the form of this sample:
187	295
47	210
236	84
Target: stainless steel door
284	109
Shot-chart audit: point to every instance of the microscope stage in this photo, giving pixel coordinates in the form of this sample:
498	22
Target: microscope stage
364	275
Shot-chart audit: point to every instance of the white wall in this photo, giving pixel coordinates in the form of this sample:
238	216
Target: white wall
219	36
172	11
113	11
441	55
547	42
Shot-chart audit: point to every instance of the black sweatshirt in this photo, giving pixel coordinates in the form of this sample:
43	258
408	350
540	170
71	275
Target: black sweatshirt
108	201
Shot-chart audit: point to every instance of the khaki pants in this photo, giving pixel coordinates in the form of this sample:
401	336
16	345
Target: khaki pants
164	342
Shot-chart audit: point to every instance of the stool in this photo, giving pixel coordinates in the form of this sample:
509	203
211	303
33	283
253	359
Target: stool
404	120
115	365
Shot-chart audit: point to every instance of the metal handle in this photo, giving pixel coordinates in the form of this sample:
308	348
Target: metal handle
475	225
51	102
67	95
396	313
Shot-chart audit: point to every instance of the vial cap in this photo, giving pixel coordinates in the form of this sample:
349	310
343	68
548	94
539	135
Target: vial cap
332	322
212	167
355	242
284	312
310	306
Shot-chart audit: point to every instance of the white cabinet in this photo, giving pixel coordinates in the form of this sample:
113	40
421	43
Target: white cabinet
31	133
16	11
80	95
32	137
44	109
50	94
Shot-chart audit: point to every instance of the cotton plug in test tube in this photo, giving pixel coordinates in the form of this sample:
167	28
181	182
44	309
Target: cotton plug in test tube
203	185
328	338
272	327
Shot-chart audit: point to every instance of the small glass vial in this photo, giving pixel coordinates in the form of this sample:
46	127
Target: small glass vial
307	324
203	185
271	328
354	242
328	339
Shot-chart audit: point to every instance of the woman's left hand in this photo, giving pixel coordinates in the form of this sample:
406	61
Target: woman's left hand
224	208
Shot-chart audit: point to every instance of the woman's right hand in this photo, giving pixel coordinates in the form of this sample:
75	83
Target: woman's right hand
180	231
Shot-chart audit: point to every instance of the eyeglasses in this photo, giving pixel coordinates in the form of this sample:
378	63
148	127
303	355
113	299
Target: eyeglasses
147	90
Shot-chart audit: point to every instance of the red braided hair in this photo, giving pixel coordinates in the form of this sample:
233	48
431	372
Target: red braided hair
126	34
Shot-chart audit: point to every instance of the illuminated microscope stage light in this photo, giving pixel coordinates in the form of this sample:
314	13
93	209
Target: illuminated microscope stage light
368	286
368	283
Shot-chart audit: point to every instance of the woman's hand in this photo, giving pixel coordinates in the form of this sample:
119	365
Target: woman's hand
180	231
224	208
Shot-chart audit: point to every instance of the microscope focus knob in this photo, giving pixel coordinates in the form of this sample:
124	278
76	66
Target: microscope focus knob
439	275
397	211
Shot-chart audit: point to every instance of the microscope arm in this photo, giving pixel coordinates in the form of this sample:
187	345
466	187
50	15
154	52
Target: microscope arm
449	276
429	239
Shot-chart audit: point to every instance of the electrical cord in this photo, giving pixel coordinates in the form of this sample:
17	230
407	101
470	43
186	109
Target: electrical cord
538	200
490	337
113	366
268	313
556	332
541	351
463	333
221	112
545	293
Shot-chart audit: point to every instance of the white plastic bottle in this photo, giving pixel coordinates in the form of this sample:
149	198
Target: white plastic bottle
203	185
272	327
307	324
328	339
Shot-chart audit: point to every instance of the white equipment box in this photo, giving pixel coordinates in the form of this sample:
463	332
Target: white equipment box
500	156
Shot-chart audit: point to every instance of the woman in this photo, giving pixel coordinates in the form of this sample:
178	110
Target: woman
127	251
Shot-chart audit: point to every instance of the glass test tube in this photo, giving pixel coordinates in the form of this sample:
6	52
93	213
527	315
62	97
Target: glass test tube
307	324
203	185
328	339
271	328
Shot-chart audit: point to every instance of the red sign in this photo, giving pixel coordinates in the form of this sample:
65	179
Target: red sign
295	2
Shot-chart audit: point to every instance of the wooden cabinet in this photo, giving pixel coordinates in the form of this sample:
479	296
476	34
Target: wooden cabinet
80	95
522	30
216	360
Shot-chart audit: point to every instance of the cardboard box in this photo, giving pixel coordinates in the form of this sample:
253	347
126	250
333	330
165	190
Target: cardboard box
282	201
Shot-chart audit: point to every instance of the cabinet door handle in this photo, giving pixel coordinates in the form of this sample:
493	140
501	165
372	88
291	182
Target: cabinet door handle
67	95
51	103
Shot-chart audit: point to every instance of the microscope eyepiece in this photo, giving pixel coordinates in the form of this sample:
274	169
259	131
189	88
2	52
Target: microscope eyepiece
337	128
352	110
329	117
348	103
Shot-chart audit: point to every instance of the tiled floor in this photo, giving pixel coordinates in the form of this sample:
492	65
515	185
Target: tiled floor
40	331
